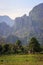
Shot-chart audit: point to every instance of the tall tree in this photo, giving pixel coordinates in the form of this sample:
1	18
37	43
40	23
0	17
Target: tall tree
34	45
18	42
17	47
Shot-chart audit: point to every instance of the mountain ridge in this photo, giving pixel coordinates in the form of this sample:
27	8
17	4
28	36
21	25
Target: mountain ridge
25	27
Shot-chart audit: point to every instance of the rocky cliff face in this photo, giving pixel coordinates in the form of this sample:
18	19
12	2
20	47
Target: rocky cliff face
26	26
36	17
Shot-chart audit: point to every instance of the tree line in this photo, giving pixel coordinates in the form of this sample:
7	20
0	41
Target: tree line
18	48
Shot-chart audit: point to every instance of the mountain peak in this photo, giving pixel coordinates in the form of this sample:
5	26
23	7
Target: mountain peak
39	6
7	20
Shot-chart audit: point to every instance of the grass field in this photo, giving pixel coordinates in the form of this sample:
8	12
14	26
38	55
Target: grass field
36	59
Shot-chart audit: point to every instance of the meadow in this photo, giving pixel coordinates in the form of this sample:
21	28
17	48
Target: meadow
27	59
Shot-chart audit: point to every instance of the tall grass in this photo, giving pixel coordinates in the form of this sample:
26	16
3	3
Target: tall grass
36	59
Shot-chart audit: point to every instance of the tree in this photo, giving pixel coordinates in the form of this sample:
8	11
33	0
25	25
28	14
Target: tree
6	48
1	48
15	48
34	45
18	43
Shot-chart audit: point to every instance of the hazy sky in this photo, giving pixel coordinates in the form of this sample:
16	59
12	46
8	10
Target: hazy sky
15	8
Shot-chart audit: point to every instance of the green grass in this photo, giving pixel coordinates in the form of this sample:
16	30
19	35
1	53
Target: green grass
36	59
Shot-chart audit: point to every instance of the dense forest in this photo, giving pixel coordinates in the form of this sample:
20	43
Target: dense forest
32	47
